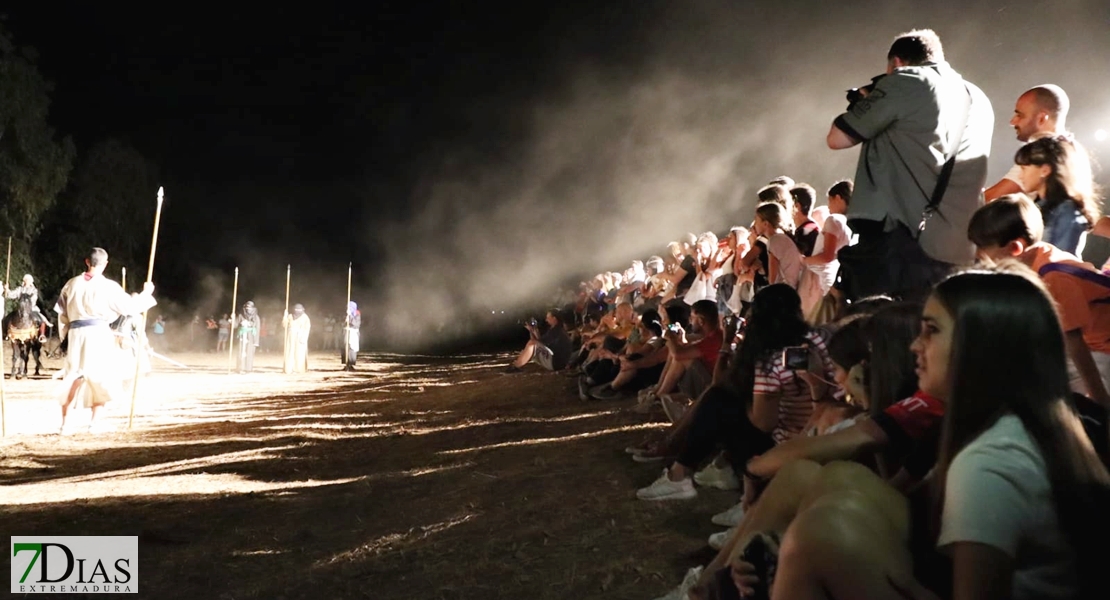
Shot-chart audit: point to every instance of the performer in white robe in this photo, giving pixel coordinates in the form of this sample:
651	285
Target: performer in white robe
98	361
351	336
297	327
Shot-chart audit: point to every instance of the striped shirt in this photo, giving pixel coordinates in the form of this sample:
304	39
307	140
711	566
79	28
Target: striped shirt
772	378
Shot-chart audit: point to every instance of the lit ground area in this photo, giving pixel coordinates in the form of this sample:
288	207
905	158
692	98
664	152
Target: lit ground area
414	477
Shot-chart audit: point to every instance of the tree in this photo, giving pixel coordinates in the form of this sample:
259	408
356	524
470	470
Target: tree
34	166
108	204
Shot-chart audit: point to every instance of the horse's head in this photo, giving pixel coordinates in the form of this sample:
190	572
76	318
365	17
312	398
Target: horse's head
25	305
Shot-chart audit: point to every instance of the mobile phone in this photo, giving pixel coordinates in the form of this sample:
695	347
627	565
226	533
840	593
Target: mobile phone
674	327
796	358
762	553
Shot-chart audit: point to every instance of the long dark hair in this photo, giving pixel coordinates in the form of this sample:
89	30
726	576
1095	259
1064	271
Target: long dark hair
1008	356
891	374
1071	179
775	322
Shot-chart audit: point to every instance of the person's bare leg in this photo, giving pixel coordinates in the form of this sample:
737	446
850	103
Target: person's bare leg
525	355
844	516
827	544
669	381
667	366
774	511
626	374
70	394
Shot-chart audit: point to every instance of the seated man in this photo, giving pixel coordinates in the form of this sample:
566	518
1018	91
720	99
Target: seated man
551	350
692	360
1011	227
640	365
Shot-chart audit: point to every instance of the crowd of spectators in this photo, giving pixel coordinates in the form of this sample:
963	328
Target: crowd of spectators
907	390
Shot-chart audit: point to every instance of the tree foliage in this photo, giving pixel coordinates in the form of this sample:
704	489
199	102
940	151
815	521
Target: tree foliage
34	164
110	203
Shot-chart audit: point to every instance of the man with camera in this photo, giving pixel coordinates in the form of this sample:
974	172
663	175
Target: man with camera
926	135
551	350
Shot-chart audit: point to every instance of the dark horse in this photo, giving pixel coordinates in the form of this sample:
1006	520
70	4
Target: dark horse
25	328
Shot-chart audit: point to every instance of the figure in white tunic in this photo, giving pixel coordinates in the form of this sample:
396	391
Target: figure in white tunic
98	361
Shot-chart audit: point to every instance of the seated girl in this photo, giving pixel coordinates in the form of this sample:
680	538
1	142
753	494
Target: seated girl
1019	493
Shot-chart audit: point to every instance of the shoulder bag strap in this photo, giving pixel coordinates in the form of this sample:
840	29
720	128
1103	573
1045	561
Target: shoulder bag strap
949	164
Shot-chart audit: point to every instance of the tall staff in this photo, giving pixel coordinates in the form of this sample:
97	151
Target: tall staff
347	322
285	341
234	316
3	408
140	341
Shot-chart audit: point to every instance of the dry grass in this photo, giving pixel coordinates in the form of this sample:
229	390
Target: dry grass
417	477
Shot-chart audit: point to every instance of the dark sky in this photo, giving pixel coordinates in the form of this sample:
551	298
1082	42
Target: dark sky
294	135
294	114
464	154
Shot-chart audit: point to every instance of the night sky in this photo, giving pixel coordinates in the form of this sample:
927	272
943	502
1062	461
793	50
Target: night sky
305	122
468	155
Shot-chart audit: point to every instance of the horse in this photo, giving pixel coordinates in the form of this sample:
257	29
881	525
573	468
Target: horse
25	329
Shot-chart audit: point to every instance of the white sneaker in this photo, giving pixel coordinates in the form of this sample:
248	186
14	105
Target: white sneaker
719	539
722	478
731	517
679	593
665	489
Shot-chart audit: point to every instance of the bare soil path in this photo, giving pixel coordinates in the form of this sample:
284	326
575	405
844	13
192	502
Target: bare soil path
415	477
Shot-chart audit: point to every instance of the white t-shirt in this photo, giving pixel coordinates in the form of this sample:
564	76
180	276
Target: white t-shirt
838	226
782	247
998	493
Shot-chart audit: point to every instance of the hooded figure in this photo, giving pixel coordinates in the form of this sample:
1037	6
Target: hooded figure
296	327
350	334
27	288
247	334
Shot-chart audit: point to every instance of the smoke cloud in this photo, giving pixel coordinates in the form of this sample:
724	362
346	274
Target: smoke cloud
694	108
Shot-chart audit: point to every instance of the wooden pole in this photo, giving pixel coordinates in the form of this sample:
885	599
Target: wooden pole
347	320
284	323
234	314
140	341
3	407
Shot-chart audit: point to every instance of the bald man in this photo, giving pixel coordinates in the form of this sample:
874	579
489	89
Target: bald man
1039	112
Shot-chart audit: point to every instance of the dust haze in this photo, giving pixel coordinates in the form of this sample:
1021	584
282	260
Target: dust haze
695	108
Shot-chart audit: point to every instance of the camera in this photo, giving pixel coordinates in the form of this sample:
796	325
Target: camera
796	358
856	94
533	322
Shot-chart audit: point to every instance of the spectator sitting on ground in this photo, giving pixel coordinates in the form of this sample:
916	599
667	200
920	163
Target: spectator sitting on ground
551	350
691	360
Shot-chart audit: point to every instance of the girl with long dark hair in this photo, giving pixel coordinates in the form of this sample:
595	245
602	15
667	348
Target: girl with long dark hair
1020	494
1057	172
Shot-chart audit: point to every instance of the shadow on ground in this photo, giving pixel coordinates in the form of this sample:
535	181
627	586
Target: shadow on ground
441	478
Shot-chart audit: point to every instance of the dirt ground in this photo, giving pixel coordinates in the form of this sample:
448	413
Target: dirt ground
414	477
